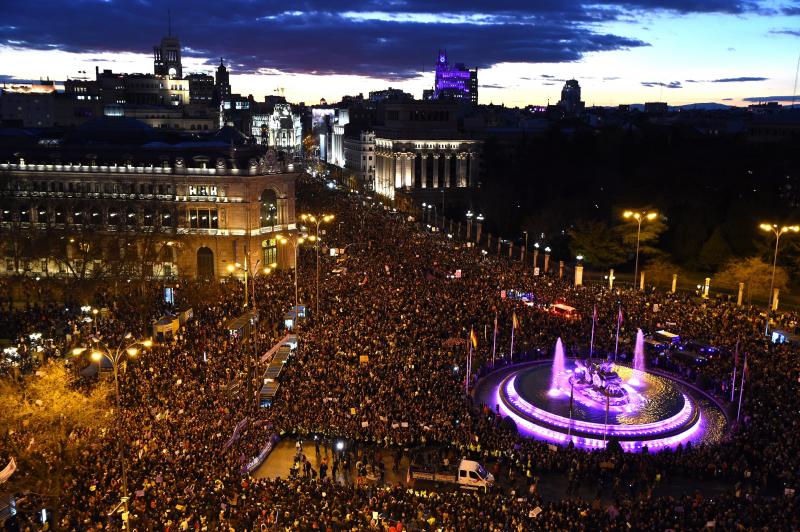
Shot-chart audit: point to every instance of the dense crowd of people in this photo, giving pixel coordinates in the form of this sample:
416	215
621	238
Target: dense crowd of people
382	366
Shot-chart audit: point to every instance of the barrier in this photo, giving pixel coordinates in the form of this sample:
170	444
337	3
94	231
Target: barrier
257	460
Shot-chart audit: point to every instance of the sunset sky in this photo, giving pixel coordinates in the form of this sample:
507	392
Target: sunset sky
679	51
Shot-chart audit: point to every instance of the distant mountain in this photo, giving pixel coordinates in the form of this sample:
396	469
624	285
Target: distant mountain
707	106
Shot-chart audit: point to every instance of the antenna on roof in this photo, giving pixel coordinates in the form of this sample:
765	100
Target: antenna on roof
169	22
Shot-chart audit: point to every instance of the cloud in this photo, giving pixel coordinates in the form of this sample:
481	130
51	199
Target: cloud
727	99
794	33
771	99
739	79
668	85
611	78
392	40
492	86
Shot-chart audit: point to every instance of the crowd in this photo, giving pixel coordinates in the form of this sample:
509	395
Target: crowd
393	298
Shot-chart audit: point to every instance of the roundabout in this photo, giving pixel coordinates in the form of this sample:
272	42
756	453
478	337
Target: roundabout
591	403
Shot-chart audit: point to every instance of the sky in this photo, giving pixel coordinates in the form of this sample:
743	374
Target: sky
621	51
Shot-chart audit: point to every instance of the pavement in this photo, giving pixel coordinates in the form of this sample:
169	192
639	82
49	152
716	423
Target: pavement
551	486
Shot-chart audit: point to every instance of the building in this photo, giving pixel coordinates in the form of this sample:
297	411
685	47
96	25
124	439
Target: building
359	157
201	89
455	82
419	148
571	103
115	198
167	58
28	105
141	89
222	82
340	120
281	130
389	94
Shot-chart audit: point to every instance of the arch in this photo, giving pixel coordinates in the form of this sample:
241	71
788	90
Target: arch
130	217
205	263
95	216
269	208
78	217
148	217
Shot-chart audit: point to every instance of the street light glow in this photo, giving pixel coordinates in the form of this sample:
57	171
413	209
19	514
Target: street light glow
147	343
96	356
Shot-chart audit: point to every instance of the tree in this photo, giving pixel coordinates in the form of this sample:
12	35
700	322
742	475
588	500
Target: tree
599	245
47	423
659	273
651	232
754	273
715	252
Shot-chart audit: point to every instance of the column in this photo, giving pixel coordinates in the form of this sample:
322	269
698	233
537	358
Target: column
775	299
674	282
423	169
641	281
611	279
510	250
578	275
447	170
435	157
408	174
460	170
560	269
739	297
706	286
398	170
473	169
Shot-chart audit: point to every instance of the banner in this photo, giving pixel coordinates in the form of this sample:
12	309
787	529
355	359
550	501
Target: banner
260	457
235	435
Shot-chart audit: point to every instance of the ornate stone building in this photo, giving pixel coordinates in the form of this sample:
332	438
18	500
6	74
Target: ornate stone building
142	209
419	148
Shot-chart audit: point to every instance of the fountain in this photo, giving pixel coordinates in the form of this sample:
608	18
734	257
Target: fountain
589	402
638	359
558	368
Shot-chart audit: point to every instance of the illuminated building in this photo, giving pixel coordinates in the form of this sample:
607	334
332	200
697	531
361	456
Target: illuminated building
28	105
419	148
281	130
455	82
201	88
116	198
359	157
167	58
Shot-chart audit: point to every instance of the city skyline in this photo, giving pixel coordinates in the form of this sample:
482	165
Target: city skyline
679	51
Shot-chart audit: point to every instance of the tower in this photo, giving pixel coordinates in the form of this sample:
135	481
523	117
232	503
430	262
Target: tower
223	84
571	97
167	56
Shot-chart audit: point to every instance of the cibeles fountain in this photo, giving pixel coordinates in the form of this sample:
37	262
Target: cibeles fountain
590	402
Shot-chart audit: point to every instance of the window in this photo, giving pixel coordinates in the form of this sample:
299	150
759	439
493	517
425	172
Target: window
269	208
130	218
43	265
24	214
203	219
270	249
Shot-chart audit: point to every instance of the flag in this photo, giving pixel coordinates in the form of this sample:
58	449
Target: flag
514	320
620	315
495	322
745	370
473	338
594	314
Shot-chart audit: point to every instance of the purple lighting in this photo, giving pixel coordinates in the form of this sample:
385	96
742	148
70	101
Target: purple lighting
685	423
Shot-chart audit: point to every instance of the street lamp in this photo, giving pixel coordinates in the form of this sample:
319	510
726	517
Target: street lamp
115	355
773	228
317	220
638	217
296	240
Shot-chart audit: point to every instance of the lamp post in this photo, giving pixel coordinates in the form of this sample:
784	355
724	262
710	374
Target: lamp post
469	224
524	251
317	220
102	351
296	239
424	212
535	255
638	217
777	231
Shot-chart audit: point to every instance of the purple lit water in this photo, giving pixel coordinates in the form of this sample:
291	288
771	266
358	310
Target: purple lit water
558	367
638	358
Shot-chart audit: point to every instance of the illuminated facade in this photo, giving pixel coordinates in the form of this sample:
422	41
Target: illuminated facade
167	58
419	148
154	210
281	130
455	82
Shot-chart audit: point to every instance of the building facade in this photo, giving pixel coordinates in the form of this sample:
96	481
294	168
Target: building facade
167	58
146	211
419	148
360	157
281	130
456	81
